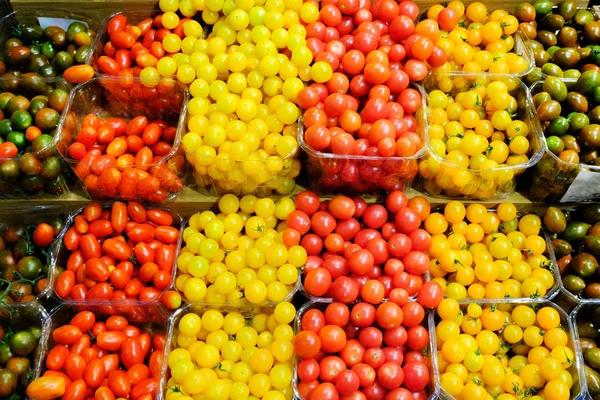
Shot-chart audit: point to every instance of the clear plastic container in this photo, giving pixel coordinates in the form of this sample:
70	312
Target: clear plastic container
520	47
432	388
22	317
440	177
151	318
29	218
62	255
357	175
127	98
248	311
576	390
556	181
9	26
37	170
551	293
577	315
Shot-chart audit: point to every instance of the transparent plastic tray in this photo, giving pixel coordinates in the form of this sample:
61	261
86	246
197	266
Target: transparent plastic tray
574	317
432	388
15	214
24	316
482	184
552	177
578	387
125	98
62	255
247	311
332	173
536	74
151	318
552	267
39	171
52	16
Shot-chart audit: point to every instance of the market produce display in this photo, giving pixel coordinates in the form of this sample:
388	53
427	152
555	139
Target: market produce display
482	136
491	254
570	115
47	51
478	352
576	247
358	287
379	350
227	354
238	255
477	40
25	258
122	252
20	338
91	354
562	37
586	322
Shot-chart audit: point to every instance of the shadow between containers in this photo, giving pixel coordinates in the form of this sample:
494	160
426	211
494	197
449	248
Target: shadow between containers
432	389
61	254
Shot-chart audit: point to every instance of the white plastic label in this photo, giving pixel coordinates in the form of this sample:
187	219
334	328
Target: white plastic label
585	187
60	22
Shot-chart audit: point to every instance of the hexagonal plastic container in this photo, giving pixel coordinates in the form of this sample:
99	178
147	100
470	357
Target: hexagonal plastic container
127	98
440	177
432	388
356	175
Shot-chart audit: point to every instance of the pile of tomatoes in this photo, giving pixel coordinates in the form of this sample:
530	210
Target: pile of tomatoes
230	355
374	42
132	160
135	49
477	41
480	253
481	135
505	350
20	334
97	357
354	249
242	254
25	258
370	129
118	253
362	351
